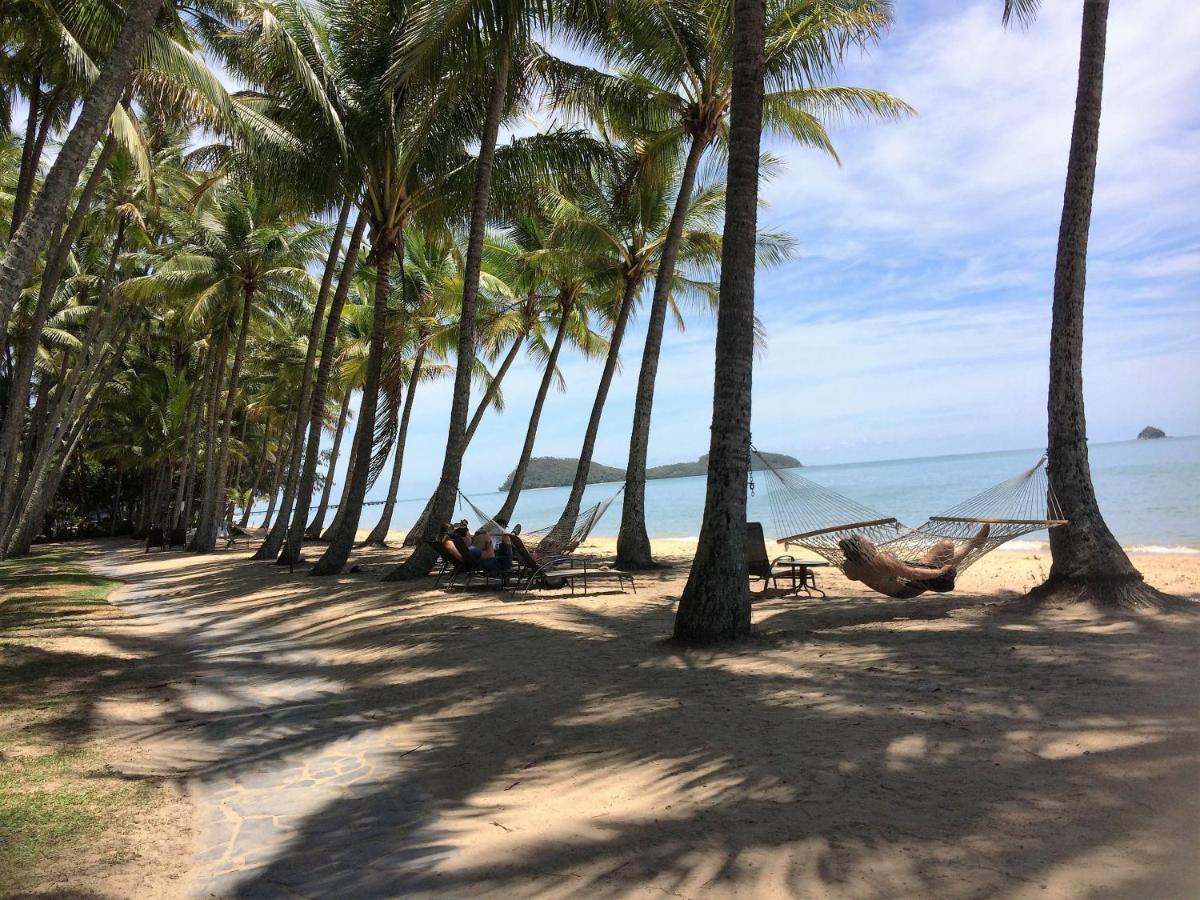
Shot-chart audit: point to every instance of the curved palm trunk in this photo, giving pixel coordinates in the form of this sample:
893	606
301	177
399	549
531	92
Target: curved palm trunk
304	405
281	452
633	542
579	485
378	535
313	531
715	604
24	247
316	424
340	515
492	389
333	560
442	502
1088	563
211	430
215	501
259	468
518	479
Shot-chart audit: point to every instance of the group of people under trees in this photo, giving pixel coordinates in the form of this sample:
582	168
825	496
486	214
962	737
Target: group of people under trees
491	549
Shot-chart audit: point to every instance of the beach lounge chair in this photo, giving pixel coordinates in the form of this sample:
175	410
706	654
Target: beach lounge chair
155	537
769	571
451	566
561	571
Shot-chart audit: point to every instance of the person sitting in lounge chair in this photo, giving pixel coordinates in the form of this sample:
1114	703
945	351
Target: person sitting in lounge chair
492	556
885	572
446	540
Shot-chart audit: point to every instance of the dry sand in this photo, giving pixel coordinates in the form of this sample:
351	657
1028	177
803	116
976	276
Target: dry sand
468	744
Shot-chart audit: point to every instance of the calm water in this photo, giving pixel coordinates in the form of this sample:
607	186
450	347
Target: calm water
1149	492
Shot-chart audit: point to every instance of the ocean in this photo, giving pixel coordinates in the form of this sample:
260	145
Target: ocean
1149	492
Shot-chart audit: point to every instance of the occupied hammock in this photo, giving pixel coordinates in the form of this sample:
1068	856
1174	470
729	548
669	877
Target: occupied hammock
562	537
812	516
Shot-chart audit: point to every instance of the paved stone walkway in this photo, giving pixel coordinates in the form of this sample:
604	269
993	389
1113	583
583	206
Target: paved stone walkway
297	793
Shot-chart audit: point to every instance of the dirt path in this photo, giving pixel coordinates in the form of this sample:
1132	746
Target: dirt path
349	738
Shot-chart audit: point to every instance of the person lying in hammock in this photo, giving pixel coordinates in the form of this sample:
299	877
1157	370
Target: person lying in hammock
885	572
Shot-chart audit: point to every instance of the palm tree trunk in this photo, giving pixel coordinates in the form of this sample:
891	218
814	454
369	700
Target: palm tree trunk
297	464
281	452
633	542
378	535
316	403
313	531
518	478
51	202
1088	563
191	425
492	389
340	515
30	155
116	504
422	558
211	432
715	604
566	522
333	560
259	468
216	500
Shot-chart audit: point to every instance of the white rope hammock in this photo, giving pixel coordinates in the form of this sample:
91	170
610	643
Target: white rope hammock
810	515
555	538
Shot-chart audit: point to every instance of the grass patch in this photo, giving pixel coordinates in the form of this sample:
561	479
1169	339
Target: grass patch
55	791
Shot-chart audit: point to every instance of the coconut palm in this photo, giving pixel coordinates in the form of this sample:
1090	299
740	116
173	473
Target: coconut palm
659	41
242	249
1088	562
715	604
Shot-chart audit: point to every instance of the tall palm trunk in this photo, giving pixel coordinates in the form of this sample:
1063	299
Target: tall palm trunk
24	246
493	388
340	515
715	604
190	419
378	534
216	501
633	542
277	535
333	560
1088	563
313	531
518	478
211	432
566	522
260	468
281	453
316	403
442	504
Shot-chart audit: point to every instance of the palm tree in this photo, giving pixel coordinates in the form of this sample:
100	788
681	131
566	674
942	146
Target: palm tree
658	42
240	250
622	215
1088	562
715	604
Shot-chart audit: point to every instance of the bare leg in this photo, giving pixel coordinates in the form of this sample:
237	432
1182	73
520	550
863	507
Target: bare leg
973	544
940	554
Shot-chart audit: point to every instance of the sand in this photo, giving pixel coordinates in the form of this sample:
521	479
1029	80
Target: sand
465	743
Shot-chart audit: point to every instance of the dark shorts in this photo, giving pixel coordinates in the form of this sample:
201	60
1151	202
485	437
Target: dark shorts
501	562
941	584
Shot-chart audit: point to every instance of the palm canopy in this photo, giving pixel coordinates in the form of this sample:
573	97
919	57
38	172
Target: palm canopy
674	71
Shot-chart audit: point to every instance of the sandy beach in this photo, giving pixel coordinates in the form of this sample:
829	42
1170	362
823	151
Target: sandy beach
350	737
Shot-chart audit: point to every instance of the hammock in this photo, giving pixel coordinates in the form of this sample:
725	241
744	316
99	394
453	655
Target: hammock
557	538
812	516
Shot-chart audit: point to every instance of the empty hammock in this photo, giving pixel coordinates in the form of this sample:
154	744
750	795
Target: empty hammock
562	537
812	516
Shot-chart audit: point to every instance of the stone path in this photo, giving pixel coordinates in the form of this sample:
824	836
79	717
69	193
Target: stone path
297	792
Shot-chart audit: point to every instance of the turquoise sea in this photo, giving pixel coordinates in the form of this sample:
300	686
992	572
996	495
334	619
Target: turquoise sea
1149	492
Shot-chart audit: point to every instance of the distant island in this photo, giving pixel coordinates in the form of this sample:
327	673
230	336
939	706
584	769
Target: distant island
1149	433
558	471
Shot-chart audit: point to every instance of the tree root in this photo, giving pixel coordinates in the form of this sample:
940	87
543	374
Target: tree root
1123	593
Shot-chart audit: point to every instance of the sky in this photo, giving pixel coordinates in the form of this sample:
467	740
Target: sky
915	318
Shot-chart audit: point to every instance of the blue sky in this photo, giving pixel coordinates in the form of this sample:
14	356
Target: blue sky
915	320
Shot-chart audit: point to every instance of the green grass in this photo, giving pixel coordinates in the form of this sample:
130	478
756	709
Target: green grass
55	792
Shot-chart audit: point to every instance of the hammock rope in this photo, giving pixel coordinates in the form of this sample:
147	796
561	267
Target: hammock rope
810	515
553	538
